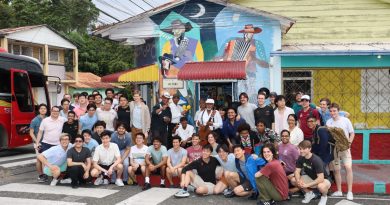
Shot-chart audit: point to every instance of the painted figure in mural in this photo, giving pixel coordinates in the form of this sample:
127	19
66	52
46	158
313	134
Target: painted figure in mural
182	48
250	50
166	61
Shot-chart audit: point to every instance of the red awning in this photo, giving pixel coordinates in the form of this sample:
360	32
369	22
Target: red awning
213	70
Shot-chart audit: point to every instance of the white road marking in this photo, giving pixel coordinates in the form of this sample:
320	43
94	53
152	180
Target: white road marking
19	201
3	159
150	197
362	198
346	202
62	190
20	163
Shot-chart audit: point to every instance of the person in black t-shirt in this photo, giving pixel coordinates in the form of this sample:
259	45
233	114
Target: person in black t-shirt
71	126
204	182
123	112
316	176
264	112
79	162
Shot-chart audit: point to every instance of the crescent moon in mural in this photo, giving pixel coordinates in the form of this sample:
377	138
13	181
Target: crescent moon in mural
201	12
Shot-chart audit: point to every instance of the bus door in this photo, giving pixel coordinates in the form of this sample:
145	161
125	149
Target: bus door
22	108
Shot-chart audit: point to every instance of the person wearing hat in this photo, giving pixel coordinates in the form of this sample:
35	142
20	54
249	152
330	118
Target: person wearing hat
209	117
182	48
304	114
297	106
161	117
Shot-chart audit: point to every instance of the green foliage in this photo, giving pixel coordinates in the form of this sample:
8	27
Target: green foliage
72	18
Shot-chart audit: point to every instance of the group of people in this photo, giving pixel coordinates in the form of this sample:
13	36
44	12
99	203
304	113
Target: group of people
266	151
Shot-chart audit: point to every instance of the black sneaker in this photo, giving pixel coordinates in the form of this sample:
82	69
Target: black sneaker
253	196
42	178
135	183
229	194
272	202
146	186
162	185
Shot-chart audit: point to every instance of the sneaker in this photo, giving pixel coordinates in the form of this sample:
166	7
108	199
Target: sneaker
135	183
337	193
266	202
146	186
253	196
229	194
323	200
41	178
106	182
53	182
119	182
191	188
66	181
225	191
99	180
350	196
75	186
182	194
308	197
162	185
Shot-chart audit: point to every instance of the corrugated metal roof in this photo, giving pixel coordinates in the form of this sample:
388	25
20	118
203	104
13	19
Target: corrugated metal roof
147	73
213	70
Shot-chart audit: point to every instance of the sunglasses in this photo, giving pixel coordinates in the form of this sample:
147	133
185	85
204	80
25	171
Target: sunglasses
78	141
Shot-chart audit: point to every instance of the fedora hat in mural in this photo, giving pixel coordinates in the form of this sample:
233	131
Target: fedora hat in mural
250	29
167	56
178	24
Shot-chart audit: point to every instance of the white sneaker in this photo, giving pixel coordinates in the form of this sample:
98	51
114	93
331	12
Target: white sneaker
119	182
323	200
53	182
106	182
182	194
308	197
99	180
350	196
337	193
66	181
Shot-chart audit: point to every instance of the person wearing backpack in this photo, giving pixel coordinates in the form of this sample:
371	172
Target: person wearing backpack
345	124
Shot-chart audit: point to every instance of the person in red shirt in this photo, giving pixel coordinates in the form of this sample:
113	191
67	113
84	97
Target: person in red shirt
271	180
304	114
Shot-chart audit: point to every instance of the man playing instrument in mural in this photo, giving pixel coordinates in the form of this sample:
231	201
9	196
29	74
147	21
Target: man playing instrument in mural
250	50
181	48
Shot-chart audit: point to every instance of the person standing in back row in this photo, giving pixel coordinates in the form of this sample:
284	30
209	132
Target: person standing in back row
246	110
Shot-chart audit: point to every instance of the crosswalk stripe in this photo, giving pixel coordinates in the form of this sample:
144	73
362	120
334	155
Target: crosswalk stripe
22	156
20	163
19	201
150	197
63	190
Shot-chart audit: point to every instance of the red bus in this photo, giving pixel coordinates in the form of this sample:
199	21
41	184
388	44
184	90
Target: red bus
22	87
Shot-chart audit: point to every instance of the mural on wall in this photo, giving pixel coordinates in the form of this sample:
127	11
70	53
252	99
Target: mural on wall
195	30
145	54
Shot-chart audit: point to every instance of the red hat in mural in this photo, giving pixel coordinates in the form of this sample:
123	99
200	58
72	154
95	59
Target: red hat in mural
178	24
250	29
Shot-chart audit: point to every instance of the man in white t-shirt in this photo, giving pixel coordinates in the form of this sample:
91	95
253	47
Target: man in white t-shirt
137	159
50	130
246	110
184	131
345	124
107	114
177	158
106	160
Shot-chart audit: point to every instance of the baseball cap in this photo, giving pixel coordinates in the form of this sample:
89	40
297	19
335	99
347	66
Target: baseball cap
210	101
166	95
305	97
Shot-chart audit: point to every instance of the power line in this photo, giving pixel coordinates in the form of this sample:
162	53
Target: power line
137	5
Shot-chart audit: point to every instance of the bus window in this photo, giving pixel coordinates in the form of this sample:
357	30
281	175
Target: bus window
5	87
22	92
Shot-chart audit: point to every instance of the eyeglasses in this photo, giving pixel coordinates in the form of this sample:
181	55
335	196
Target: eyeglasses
310	121
78	141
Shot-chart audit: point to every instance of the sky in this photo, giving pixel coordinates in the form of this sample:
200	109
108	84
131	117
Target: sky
112	11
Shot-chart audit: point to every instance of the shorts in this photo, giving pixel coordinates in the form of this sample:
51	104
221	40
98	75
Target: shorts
198	182
306	179
246	185
138	171
45	146
156	171
345	156
47	171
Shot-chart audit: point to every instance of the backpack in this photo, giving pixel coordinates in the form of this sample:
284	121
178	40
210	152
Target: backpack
339	140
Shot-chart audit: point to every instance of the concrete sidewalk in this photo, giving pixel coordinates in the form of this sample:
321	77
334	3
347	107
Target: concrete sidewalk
368	179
